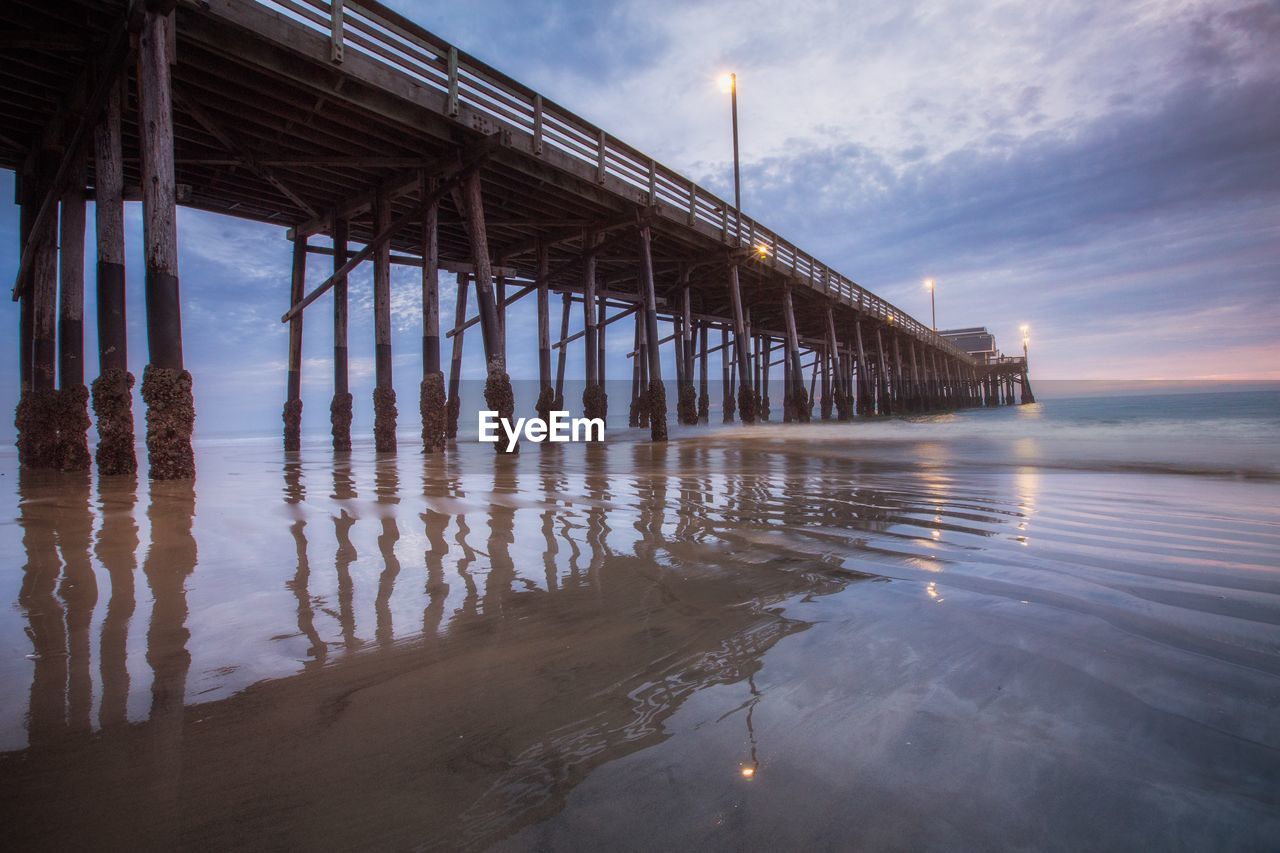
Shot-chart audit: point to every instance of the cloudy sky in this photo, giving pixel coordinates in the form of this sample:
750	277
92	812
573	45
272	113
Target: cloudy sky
1108	173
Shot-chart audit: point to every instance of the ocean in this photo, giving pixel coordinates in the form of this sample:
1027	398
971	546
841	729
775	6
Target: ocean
1052	626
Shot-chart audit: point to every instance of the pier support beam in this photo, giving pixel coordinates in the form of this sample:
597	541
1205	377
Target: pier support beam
384	393
166	385
657	397
766	362
884	401
688	404
341	405
797	400
113	389
566	305
293	395
704	398
1027	396
741	340
592	405
727	379
864	392
498	396
73	397
432	403
455	359
37	408
546	393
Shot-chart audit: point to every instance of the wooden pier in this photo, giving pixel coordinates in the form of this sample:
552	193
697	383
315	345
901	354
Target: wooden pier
371	140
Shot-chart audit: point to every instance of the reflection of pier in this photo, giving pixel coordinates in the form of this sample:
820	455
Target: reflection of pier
372	140
560	626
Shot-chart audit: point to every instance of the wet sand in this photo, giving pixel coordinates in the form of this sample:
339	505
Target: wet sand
731	642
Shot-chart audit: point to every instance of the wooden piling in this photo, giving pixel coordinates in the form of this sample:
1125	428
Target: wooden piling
566	305
657	398
864	403
797	400
591	407
765	361
498	396
741	340
729	405
432	402
72	416
546	393
884	402
823	366
341	405
112	391
687	407
384	393
166	385
704	398
293	395
455	359
601	329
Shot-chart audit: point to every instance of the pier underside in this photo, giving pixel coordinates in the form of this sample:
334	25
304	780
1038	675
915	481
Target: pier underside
372	140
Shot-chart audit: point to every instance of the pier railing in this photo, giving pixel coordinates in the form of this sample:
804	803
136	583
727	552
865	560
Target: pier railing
415	55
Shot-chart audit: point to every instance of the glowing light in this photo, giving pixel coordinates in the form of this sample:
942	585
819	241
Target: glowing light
748	773
929	283
727	82
762	250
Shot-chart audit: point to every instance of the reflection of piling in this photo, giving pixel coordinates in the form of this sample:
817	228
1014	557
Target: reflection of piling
116	549
46	628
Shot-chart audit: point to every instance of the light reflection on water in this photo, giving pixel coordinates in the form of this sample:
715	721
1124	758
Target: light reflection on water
478	636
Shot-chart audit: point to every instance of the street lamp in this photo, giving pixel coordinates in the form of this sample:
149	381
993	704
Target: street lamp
730	82
933	302
1026	339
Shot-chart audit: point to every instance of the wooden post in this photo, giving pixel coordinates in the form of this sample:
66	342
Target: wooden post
293	395
591	347
746	399
112	390
899	383
704	398
657	391
884	403
916	385
729	404
797	400
637	389
455	359
72	416
767	343
166	385
642	356
71	283
688	402
498	396
37	410
601	326
826	355
384	392
340	407
432	402
546	394
560	353
30	198
864	391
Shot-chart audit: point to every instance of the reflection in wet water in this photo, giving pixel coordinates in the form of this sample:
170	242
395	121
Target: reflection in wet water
437	651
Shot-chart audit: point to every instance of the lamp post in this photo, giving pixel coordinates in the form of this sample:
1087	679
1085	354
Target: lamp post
730	81
1026	340
933	302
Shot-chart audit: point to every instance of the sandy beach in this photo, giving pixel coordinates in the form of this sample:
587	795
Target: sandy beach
733	641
